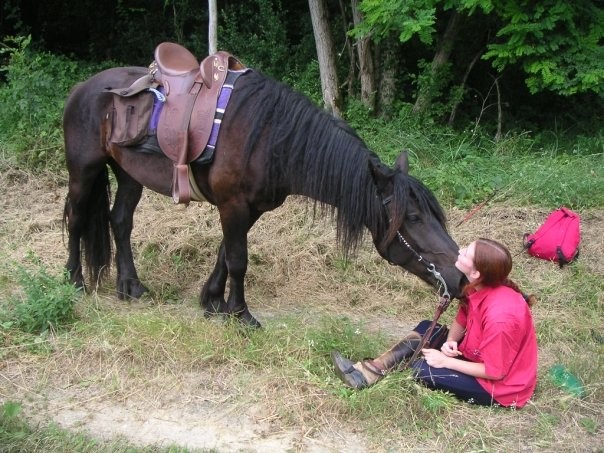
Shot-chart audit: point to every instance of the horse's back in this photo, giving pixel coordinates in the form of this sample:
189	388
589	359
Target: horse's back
97	85
88	102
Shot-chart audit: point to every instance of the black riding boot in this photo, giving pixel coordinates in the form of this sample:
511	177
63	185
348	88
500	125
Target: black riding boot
400	352
367	372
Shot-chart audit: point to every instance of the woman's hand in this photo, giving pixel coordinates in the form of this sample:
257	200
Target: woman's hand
450	349
435	358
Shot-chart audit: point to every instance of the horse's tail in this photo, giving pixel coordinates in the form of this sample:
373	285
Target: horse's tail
96	228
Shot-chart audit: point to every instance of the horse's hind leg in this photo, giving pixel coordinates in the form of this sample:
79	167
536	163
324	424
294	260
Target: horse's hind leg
86	219
75	221
212	293
127	197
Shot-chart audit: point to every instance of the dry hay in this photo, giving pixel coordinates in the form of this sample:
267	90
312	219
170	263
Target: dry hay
295	268
294	261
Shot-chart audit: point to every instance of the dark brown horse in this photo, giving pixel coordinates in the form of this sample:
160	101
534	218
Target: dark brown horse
273	142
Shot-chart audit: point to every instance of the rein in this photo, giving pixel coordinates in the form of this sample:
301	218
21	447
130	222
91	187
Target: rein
445	298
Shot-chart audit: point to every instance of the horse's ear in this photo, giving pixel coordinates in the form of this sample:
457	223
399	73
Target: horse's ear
381	174
402	162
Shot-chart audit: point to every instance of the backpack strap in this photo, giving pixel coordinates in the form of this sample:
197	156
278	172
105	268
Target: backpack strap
526	243
562	260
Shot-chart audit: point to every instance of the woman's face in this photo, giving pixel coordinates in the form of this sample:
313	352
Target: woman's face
465	261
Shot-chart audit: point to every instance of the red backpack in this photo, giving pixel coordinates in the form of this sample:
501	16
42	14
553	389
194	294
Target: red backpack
557	239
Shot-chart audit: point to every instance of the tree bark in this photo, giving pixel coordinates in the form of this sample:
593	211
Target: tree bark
499	112
386	52
464	80
366	66
352	61
441	57
327	57
212	27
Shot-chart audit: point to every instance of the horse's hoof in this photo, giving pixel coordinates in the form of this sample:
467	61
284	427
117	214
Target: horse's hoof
213	308
246	319
79	285
130	290
211	314
76	279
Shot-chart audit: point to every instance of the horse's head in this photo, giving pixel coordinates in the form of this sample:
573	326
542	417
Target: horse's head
413	234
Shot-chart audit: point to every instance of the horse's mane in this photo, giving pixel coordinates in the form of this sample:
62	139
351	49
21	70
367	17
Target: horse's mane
312	153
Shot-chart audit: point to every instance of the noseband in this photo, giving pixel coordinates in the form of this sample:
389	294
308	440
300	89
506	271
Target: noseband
430	267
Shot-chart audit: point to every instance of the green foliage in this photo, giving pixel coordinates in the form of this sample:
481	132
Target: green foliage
558	43
31	103
433	83
305	79
256	33
12	427
47	302
10	410
407	18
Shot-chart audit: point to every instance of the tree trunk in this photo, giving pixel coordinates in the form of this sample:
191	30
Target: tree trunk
352	61
366	66
499	112
212	27
327	57
441	57
387	75
464	80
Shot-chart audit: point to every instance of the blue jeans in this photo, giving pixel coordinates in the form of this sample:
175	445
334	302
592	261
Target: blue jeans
463	386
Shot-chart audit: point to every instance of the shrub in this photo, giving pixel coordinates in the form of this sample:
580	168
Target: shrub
46	302
32	100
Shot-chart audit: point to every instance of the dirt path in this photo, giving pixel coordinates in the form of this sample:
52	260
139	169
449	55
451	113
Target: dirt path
196	421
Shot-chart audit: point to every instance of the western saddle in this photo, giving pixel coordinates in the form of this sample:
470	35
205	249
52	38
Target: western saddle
187	87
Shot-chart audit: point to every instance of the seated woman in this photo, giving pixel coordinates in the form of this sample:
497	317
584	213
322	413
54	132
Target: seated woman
488	356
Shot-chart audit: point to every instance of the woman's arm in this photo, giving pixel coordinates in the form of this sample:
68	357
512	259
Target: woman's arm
456	333
437	359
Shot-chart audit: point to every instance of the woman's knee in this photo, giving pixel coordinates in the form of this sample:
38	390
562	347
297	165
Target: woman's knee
439	334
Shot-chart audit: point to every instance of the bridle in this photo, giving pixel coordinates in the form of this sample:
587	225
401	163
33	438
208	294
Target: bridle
430	267
445	297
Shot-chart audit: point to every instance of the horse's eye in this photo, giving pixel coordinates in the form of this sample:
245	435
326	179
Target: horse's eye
414	218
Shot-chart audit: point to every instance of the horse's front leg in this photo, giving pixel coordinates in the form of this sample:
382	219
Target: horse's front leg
127	197
212	293
236	221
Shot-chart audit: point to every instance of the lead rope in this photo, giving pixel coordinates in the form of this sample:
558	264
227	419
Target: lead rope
440	309
445	298
442	306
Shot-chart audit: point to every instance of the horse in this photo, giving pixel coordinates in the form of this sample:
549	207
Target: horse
273	142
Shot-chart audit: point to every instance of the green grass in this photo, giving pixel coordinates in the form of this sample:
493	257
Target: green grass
157	341
120	349
464	168
574	182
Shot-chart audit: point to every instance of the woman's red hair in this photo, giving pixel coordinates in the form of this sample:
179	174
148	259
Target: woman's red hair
494	262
